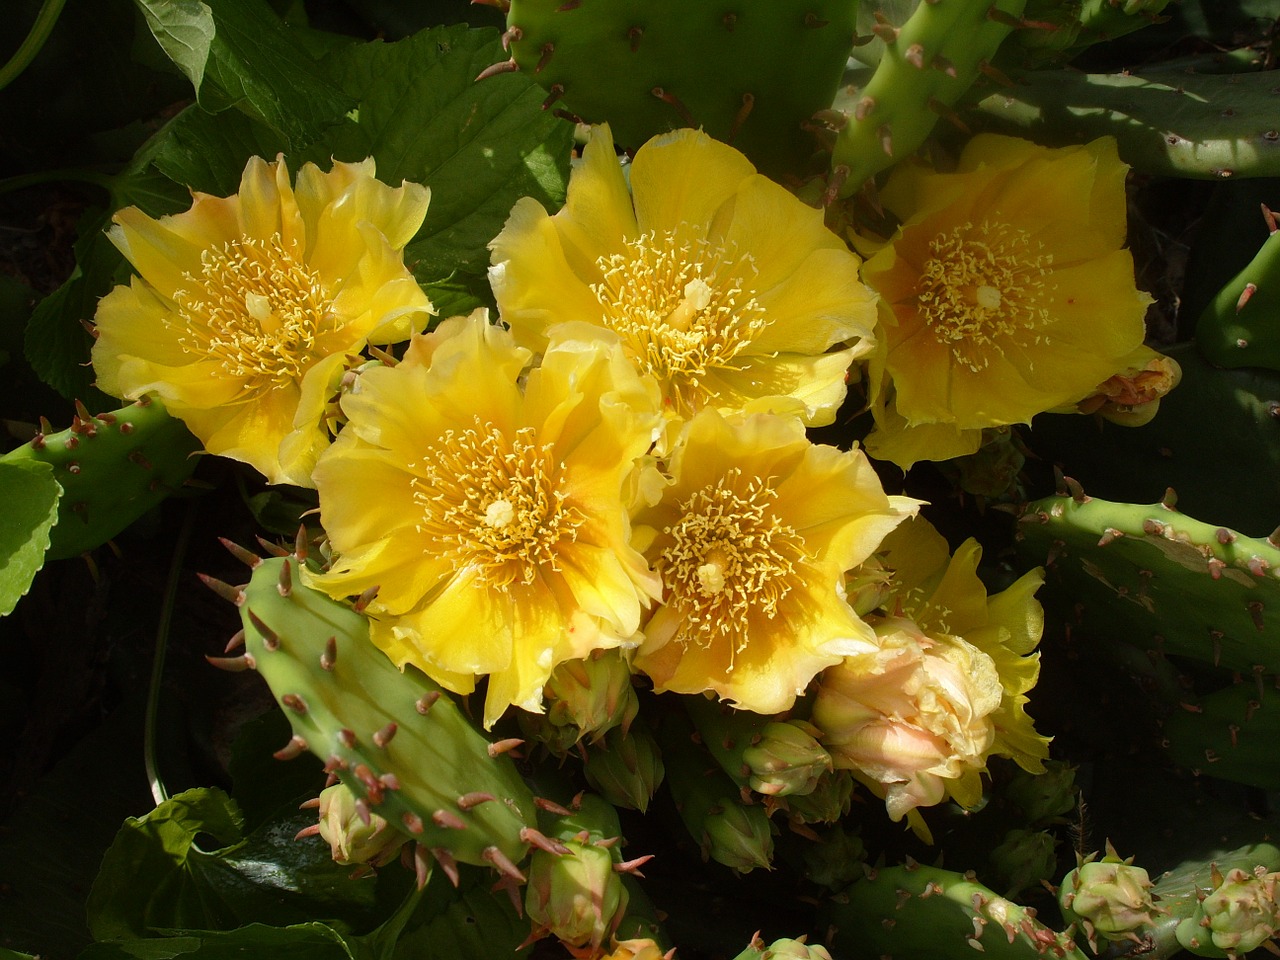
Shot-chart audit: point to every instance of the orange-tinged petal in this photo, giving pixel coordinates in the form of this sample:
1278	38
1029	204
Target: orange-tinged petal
1009	291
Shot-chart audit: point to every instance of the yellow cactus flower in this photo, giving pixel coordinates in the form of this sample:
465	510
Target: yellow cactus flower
486	505
945	687
1006	292
248	309
718	282
753	539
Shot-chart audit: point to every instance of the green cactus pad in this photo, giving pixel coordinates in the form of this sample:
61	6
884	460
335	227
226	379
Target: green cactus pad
928	64
396	739
748	72
1215	440
1150	576
926	913
1230	734
1238	328
112	468
1172	122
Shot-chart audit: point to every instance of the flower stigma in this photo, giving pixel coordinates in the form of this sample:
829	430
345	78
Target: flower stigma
984	287
495	502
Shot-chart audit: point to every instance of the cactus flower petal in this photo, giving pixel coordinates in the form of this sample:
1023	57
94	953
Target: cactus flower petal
487	505
718	282
1007	293
247	309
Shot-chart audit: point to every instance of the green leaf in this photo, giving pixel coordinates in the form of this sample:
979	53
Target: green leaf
478	146
158	874
30	494
148	876
184	29
238	53
57	345
208	152
306	941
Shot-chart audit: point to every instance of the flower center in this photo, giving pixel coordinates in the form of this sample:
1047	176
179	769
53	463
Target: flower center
729	557
682	308
256	308
984	287
495	502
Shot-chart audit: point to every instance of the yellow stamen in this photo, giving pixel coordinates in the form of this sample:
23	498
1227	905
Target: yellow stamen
258	309
682	308
984	288
729	558
495	502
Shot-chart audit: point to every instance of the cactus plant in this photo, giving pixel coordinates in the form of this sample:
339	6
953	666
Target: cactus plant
396	740
112	467
927	65
928	913
747	73
1164	581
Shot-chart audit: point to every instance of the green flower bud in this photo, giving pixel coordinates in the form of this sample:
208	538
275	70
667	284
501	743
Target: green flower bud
576	896
784	949
835	861
1110	897
826	803
786	760
738	836
1023	859
626	768
1042	797
592	695
1240	915
350	838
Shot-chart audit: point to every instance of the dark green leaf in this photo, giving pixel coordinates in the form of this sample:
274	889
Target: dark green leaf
239	54
30	494
306	941
184	29
57	345
478	146
148	877
161	875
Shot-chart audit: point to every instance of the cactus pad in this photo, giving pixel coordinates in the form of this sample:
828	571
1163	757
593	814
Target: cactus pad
1153	577
113	468
396	739
927	913
747	72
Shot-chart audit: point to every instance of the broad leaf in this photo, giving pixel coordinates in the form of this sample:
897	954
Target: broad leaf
238	53
188	866
478	146
306	941
30	495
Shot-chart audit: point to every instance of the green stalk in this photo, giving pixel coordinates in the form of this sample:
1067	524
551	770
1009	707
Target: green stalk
40	30
159	792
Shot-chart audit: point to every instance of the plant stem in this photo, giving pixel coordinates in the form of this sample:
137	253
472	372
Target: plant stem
159	791
40	30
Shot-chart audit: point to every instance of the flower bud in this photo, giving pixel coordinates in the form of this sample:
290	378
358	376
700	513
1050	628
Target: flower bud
576	896
1240	915
350	838
626	767
592	695
1023	859
1110	897
640	949
786	760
